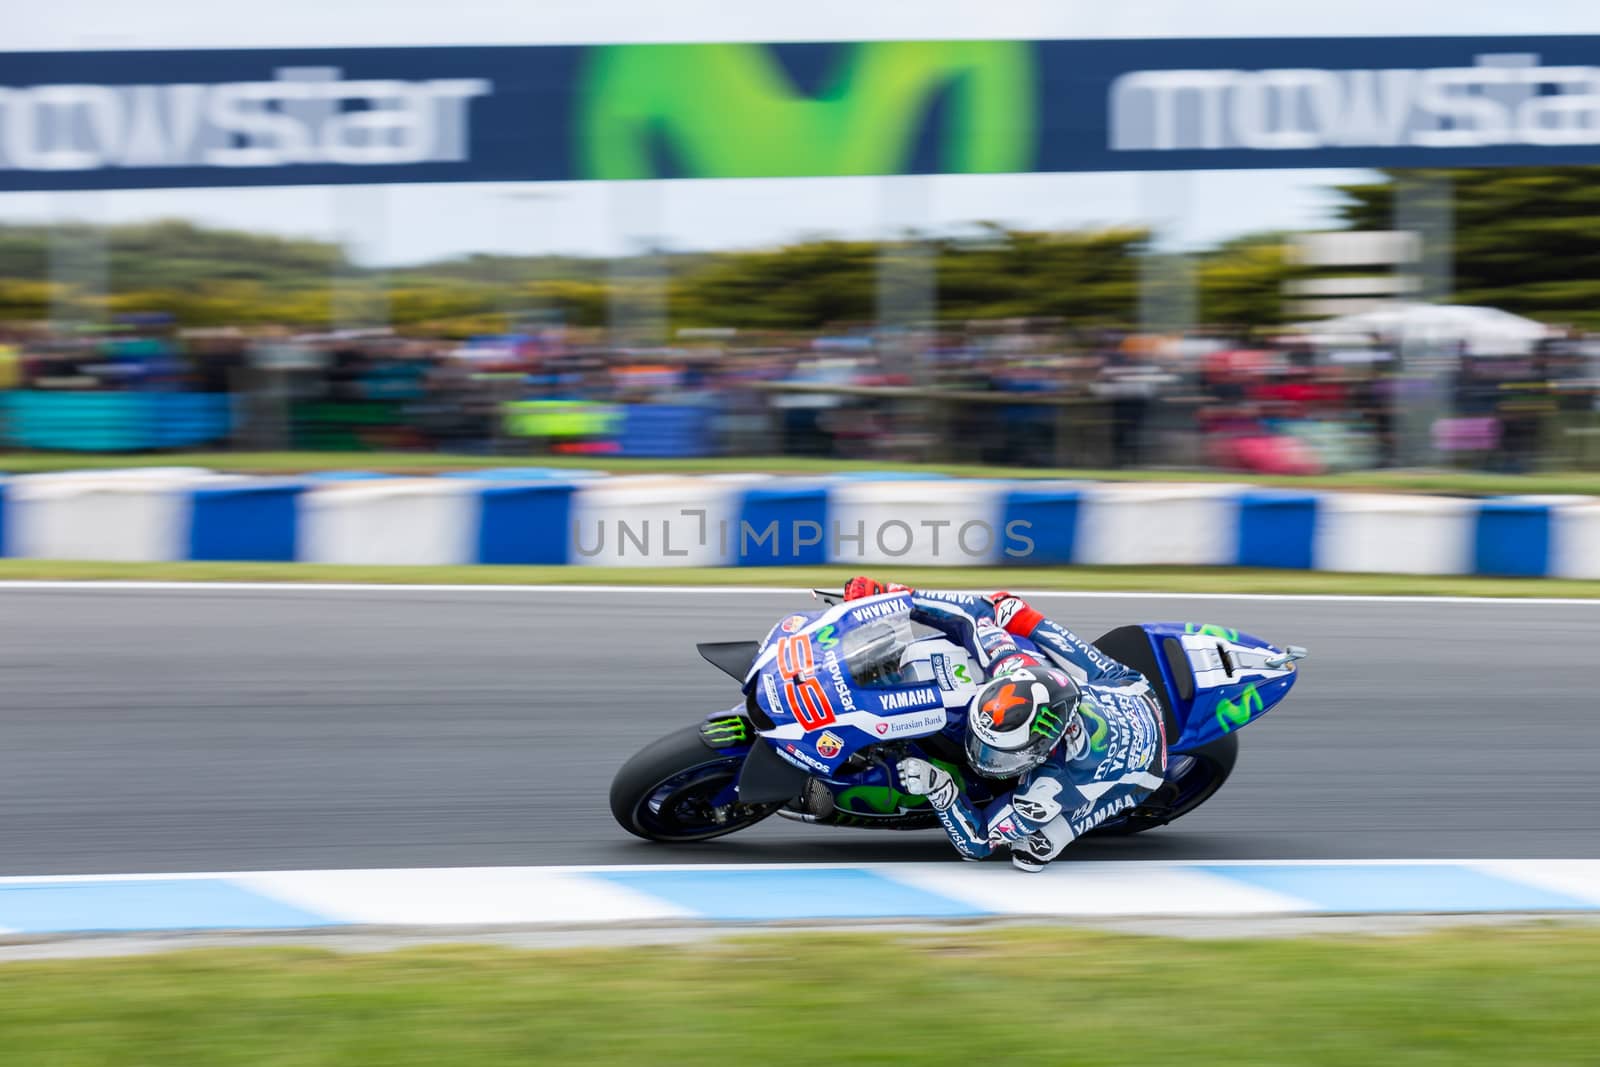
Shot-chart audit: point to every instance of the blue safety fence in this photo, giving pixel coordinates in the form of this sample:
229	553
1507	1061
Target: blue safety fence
1512	537
783	526
663	431
1277	530
524	523
1050	518
532	516
244	522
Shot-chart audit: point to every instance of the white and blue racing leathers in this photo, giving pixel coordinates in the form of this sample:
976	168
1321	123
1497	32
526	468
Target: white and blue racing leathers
1068	795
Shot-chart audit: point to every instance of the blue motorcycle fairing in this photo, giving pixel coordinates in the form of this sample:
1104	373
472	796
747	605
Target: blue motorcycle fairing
1217	679
820	712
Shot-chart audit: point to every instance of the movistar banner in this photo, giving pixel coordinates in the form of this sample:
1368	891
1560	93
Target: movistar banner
107	120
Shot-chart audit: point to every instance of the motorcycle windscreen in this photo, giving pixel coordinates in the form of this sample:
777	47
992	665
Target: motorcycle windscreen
873	651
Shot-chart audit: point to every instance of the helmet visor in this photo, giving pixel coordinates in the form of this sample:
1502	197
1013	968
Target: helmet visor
1005	763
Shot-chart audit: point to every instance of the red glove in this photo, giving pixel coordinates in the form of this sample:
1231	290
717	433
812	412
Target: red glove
861	586
1012	612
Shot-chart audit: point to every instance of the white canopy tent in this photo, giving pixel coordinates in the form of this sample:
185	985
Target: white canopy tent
1482	331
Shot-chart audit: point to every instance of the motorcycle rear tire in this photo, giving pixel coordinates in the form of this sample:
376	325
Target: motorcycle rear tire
651	771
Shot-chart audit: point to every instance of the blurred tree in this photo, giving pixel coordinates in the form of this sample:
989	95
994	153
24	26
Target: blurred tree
1526	239
212	277
24	299
1241	282
416	303
1084	277
803	286
24	252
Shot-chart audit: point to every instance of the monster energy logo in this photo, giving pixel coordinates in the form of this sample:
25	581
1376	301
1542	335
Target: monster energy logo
731	111
723	733
1231	714
1047	722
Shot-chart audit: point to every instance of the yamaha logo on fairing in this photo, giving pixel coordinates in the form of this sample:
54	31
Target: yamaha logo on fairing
908	698
879	610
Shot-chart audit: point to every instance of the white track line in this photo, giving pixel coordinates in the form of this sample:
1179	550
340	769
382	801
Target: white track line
887	866
743	590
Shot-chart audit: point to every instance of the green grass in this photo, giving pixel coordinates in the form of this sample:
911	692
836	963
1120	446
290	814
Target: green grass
990	996
1086	579
1454	482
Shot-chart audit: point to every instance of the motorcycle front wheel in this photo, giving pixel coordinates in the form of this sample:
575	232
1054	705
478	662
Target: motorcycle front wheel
678	790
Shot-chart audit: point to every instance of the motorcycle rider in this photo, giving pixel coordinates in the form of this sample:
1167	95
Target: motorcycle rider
1080	732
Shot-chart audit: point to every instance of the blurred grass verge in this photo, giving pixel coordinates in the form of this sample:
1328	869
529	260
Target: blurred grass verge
1220	581
1470	483
1005	996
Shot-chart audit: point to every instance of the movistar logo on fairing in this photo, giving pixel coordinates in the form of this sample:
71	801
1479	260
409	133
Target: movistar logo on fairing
836	673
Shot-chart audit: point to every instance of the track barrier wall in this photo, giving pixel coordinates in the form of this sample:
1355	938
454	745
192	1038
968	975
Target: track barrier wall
548	516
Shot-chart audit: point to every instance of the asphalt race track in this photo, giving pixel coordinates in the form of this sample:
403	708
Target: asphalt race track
216	729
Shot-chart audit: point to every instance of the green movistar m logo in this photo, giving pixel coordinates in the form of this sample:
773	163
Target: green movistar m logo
1232	714
731	110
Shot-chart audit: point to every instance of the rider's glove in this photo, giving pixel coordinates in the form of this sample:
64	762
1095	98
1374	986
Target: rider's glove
861	586
922	779
1012	612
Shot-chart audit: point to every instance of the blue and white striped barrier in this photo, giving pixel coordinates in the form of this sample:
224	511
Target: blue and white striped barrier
517	896
542	516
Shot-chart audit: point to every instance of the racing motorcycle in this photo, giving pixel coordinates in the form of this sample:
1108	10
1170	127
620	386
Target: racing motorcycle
832	698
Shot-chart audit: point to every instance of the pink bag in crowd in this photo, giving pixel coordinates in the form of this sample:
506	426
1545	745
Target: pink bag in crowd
1275	454
1467	435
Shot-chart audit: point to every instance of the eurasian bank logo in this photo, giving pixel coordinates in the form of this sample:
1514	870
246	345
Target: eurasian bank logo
733	111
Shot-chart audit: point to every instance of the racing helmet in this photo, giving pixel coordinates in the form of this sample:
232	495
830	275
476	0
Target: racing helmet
1019	717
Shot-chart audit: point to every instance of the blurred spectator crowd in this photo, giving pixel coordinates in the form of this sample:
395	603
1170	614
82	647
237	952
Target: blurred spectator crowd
1018	393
